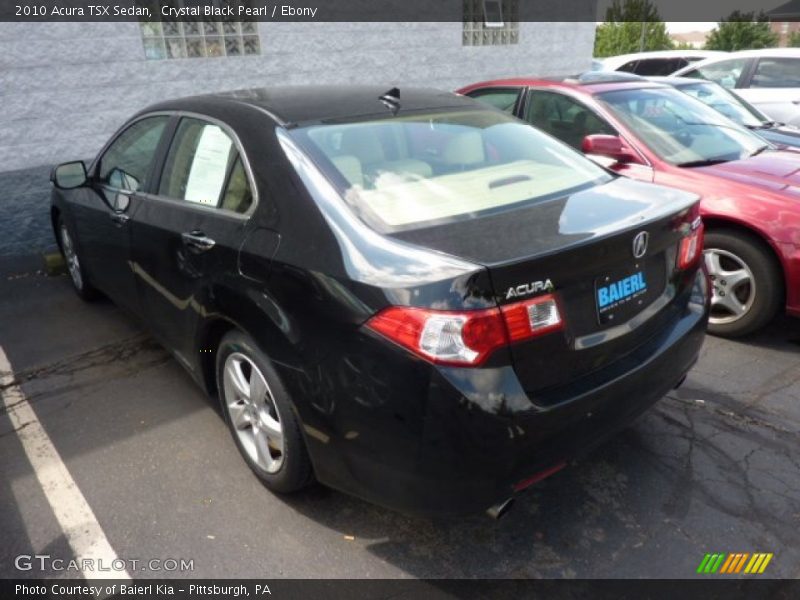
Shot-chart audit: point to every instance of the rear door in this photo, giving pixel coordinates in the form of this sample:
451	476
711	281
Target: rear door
186	235
729	73
774	87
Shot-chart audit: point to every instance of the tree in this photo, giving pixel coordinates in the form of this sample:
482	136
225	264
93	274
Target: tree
742	31
794	40
631	26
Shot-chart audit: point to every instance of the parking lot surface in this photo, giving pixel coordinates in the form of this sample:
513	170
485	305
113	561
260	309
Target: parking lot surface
714	467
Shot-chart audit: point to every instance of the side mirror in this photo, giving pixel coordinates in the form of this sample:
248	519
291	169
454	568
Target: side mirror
610	146
69	175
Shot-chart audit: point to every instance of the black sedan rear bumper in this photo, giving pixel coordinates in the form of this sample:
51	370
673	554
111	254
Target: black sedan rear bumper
465	439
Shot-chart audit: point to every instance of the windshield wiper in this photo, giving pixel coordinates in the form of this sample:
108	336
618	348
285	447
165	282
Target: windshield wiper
706	162
758	151
766	125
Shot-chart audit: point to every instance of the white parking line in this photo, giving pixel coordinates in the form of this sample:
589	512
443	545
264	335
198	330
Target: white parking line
80	526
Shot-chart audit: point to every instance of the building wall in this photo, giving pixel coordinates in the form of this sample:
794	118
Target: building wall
784	29
66	87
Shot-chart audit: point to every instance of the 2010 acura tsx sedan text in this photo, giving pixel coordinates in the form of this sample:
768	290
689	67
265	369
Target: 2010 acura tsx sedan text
410	297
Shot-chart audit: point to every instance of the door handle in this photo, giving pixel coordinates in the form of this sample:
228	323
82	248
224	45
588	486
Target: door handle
120	218
197	241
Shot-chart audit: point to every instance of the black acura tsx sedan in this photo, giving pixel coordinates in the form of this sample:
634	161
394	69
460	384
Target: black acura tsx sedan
406	295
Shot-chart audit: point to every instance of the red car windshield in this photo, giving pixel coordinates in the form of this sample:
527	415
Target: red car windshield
680	129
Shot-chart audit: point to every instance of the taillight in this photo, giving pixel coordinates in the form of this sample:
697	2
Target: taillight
466	338
691	247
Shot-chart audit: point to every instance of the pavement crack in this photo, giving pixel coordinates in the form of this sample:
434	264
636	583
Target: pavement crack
133	354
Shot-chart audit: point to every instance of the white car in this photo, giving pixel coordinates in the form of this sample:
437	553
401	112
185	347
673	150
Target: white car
769	79
659	62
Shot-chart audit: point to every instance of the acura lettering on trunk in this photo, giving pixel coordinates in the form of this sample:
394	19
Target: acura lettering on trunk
362	279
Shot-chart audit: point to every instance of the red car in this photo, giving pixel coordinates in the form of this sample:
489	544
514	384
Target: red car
648	131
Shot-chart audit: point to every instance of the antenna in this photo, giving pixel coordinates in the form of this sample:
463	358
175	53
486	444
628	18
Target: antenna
391	100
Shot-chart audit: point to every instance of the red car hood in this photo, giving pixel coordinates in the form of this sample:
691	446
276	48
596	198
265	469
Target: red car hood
774	171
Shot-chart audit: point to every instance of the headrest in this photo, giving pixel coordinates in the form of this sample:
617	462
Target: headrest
363	143
350	167
465	149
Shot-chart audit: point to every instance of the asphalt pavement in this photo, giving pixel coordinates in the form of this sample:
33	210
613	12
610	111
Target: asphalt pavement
713	467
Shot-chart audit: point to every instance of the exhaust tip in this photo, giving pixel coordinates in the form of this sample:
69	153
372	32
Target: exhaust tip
500	509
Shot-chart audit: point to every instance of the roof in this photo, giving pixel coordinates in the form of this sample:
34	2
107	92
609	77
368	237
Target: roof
614	62
792	52
679	81
293	105
786	10
775	52
591	86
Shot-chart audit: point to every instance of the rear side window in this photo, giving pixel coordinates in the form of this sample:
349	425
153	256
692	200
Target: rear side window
502	99
564	118
127	161
777	73
203	166
724	72
655	67
629	67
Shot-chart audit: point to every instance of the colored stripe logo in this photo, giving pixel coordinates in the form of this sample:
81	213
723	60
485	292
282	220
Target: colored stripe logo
737	562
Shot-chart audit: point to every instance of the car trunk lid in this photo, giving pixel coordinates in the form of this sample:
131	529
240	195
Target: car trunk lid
607	253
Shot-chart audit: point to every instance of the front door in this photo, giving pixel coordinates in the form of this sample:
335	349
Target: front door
104	207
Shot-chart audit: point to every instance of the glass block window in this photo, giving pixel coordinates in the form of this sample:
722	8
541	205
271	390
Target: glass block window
199	39
491	22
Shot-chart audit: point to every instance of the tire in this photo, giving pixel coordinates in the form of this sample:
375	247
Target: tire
280	462
77	274
729	256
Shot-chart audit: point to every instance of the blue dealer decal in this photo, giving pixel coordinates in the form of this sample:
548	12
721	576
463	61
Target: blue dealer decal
621	291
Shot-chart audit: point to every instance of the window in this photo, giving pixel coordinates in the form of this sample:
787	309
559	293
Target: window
653	67
502	99
725	102
679	129
199	39
724	72
491	22
406	172
126	163
203	166
777	73
564	118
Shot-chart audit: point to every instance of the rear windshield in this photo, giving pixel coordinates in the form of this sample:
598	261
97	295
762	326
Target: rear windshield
411	171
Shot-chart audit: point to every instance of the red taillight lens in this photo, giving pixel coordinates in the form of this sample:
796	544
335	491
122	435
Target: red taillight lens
466	338
532	317
691	247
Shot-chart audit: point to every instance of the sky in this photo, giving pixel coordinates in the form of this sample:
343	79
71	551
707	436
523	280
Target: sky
686	26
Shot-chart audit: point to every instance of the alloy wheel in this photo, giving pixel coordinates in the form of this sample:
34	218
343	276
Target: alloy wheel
252	411
733	283
71	258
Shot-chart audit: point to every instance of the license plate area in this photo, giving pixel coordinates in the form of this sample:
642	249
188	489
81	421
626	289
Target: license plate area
622	293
